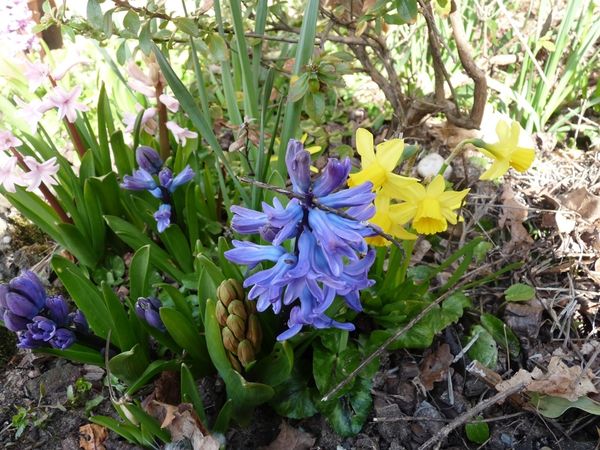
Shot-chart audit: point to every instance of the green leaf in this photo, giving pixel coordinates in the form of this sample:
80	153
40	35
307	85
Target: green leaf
554	407
187	25
77	352
484	349
155	368
407	10
298	87
477	432
145	39
190	394
139	273
502	334
294	399
348	414
78	245
85	295
131	22
129	432
519	292
94	14
222	421
149	423
185	334
275	368
129	365
122	330
218	47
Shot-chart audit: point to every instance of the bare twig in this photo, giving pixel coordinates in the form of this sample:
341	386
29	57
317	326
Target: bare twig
464	418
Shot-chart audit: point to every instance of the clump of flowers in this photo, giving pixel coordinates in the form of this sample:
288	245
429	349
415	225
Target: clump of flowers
330	256
38	319
16	27
160	181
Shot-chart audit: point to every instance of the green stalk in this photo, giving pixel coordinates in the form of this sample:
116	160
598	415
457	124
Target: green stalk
304	52
235	116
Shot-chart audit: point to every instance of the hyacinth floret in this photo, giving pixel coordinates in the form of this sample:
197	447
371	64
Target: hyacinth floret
330	256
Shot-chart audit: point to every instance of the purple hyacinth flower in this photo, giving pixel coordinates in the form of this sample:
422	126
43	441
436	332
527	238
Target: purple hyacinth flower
148	159
140	180
165	176
29	285
58	309
63	339
26	340
42	328
80	322
357	196
250	254
13	322
21	305
183	177
297	161
148	309
334	176
163	217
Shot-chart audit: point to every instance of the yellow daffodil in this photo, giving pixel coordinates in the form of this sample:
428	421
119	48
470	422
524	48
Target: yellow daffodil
430	208
384	221
506	152
378	166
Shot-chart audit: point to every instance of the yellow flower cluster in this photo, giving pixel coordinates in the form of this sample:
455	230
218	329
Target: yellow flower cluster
427	208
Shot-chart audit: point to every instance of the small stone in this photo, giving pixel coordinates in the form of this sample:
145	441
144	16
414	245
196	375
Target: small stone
430	165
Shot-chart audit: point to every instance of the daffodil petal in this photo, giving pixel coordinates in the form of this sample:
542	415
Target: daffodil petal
522	158
437	186
373	173
401	233
453	199
403	212
389	153
403	188
496	170
364	146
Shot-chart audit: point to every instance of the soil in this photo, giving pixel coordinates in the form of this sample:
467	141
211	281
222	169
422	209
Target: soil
560	262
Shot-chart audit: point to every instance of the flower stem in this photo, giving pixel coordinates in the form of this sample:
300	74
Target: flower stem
163	136
44	189
457	150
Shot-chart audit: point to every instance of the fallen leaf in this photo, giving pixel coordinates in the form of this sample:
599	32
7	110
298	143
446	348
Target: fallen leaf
559	380
183	423
290	438
92	437
583	202
524	318
434	366
514	213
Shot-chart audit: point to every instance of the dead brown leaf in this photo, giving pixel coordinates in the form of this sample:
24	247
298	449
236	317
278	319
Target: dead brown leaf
434	366
525	319
559	380
583	202
290	438
514	213
92	437
182	422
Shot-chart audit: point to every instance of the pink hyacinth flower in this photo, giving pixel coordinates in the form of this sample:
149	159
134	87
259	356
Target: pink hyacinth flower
10	173
36	73
148	124
8	140
65	102
31	112
171	103
40	172
181	134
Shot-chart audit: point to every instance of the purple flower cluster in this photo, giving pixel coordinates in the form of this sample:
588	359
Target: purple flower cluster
330	256
143	179
16	27
147	309
38	319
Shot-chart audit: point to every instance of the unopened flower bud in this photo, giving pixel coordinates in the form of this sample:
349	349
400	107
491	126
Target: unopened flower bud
254	332
229	340
58	309
147	309
62	339
246	353
221	313
237	326
148	159
226	292
237	308
234	362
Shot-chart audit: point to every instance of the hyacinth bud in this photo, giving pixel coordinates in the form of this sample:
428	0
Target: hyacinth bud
147	309
240	327
42	328
80	322
58	309
13	322
148	159
62	339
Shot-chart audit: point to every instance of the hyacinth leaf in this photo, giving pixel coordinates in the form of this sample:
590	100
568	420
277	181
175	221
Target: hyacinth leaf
502	334
244	394
484	349
191	214
139	273
154	368
223	419
97	227
294	399
106	190
77	353
129	365
124	332
190	394
229	269
87	169
212	270
78	245
179	300
149	423
276	367
132	237
85	295
121	154
129	432
105	121
185	334
178	246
